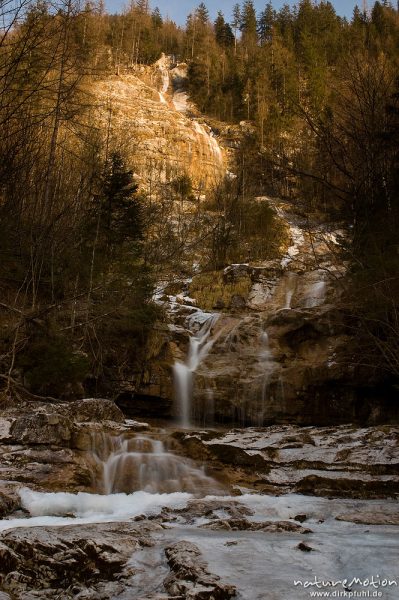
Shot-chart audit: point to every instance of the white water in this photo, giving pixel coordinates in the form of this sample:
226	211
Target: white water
162	98
126	464
298	240
137	475
261	565
180	101
59	509
290	283
315	294
200	345
143	463
163	65
212	141
267	365
264	566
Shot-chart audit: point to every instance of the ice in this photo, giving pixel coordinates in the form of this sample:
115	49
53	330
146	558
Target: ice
50	509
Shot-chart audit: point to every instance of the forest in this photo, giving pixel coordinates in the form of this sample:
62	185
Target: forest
82	244
199	301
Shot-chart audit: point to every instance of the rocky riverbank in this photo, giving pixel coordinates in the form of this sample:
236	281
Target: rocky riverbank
213	498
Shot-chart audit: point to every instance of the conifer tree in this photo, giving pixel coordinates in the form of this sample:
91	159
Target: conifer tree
236	23
266	23
249	23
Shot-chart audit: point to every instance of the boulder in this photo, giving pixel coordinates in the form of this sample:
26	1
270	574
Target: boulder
42	428
5	429
190	578
243	524
70	560
9	501
96	410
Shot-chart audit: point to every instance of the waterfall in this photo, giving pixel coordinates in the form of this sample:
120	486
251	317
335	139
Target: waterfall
315	295
199	348
290	284
126	464
211	140
267	365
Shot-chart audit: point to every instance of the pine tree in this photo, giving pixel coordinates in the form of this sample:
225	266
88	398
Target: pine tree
248	23
202	14
266	23
156	18
120	214
223	32
236	23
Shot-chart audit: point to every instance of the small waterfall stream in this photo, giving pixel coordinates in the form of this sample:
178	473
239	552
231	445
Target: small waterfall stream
128	464
200	345
267	364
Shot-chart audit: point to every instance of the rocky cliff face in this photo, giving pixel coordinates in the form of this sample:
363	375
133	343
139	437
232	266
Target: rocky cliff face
279	350
146	110
277	353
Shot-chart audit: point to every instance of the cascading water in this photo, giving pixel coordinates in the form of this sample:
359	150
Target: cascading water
267	365
132	475
125	464
199	348
316	294
290	282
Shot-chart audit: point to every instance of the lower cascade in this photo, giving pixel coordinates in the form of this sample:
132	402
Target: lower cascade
132	475
141	463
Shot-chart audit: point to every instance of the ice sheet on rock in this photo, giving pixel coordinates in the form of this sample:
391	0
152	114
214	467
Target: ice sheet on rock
58	509
298	240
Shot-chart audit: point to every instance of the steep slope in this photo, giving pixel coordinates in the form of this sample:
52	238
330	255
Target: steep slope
147	120
278	351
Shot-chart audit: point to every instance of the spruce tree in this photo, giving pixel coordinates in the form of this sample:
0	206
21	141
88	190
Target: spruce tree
266	23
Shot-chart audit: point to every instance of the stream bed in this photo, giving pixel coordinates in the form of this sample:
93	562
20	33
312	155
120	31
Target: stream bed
157	524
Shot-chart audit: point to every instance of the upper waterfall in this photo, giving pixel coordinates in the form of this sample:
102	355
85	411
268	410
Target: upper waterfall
148	108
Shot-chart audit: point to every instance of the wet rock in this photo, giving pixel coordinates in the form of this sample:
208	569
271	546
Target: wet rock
5	429
368	518
300	518
8	559
198	508
163	135
343	461
234	273
237	302
42	559
347	487
46	467
8	503
190	578
234	455
304	547
267	526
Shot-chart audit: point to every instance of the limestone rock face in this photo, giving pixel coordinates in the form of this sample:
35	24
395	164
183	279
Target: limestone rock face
280	352
42	428
95	410
70	562
53	424
342	461
50	446
154	131
190	578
